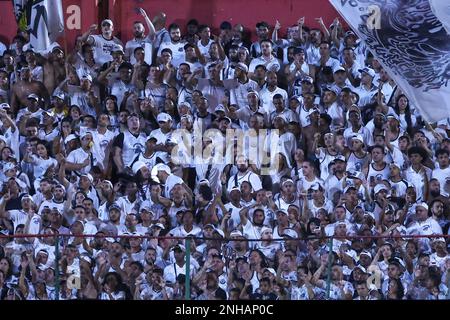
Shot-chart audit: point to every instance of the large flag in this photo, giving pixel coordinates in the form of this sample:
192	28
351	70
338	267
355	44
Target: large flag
411	43
45	22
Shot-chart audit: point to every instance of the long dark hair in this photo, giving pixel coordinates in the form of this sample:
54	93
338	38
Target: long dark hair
408	119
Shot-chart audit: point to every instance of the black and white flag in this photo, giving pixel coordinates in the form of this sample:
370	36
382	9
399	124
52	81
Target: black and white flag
45	22
412	42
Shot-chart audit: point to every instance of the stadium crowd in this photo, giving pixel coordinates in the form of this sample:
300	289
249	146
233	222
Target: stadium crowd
98	141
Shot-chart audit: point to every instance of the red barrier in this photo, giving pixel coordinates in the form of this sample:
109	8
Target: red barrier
211	12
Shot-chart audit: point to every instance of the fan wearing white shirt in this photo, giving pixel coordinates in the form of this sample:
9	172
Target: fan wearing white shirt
176	45
102	44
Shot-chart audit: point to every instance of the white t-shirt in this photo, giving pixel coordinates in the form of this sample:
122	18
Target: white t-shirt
178	55
103	48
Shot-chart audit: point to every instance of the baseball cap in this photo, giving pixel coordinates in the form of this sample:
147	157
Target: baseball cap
137	166
367	70
4	106
26	196
179	247
358	137
242	66
287	180
440	239
70	137
349	33
251	91
290	233
220	232
308	79
109	21
281	211
360	267
423	205
366	253
185	103
225	118
163	117
158	225
379	187
59	95
9	166
339	158
339	69
392	115
86	77
236	233
89	176
220	107
114	206
348	188
163	167
331	89
235	189
117	48
33	96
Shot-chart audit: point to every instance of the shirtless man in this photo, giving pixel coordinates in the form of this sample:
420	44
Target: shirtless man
54	69
24	87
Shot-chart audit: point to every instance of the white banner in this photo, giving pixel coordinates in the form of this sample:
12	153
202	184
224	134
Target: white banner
46	23
411	43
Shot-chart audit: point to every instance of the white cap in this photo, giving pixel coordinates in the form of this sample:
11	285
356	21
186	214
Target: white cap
242	66
236	233
163	167
137	166
163	117
423	205
379	187
9	166
185	103
86	77
4	106
108	21
358	137
33	96
290	233
339	68
69	138
89	176
367	70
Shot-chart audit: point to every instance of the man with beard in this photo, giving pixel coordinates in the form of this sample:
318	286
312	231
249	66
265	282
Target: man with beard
267	94
102	43
262	32
128	144
24	88
140	39
252	229
244	173
176	45
335	182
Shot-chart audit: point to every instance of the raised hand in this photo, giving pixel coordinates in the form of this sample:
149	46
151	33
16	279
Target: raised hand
301	21
319	20
277	25
143	13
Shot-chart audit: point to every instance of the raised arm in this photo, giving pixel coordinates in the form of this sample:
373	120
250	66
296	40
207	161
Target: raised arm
150	26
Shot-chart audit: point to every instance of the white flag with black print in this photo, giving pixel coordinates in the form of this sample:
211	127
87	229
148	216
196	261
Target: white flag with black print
46	23
411	42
